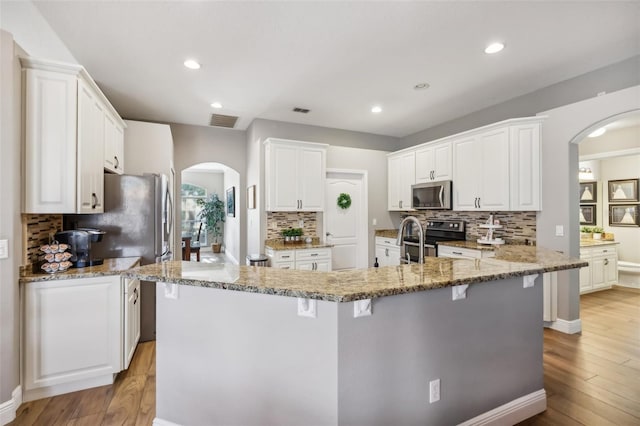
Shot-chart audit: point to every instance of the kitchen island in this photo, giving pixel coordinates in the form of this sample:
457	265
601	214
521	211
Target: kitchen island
255	346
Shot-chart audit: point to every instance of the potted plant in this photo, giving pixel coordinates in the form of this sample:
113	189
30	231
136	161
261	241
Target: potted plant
597	233
585	232
287	234
213	214
297	233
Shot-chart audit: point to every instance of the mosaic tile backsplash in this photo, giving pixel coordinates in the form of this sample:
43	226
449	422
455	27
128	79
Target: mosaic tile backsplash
37	230
277	221
518	227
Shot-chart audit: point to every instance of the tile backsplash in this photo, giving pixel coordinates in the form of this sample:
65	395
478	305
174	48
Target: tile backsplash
277	221
518	227
37	230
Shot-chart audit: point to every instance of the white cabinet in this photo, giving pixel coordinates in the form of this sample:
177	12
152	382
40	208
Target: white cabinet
401	175
464	253
71	334
113	145
525	177
65	135
131	327
318	259
387	252
295	175
433	162
602	271
481	171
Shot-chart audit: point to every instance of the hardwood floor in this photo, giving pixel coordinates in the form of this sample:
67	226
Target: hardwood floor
590	379
594	378
131	400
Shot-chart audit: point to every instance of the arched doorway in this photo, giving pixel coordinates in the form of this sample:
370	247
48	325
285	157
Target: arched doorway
204	182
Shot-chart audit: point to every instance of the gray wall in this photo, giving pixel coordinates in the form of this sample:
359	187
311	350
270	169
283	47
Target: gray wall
258	363
203	144
608	79
10	225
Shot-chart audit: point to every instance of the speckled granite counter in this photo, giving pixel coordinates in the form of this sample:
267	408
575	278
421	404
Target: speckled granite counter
345	286
109	267
281	245
387	233
588	242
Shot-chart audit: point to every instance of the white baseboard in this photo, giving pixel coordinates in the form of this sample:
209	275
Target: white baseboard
564	326
8	409
47	391
160	422
512	412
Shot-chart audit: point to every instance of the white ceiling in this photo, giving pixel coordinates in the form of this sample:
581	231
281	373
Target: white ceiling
336	58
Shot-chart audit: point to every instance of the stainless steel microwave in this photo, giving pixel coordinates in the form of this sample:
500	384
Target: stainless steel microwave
431	195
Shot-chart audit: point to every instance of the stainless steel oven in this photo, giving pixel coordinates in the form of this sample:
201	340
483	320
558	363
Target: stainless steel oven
435	232
431	196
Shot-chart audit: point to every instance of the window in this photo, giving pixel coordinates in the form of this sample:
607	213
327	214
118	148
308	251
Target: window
190	210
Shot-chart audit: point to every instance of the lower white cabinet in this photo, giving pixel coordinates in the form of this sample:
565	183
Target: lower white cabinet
131	328
464	253
77	333
387	252
318	259
602	271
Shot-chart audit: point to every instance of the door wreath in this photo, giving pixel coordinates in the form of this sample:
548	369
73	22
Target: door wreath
344	201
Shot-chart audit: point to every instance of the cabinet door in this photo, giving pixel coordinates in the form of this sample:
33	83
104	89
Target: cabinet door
91	134
465	174
394	166
50	142
493	158
611	270
307	265
393	256
311	178
425	164
113	145
323	265
381	255
119	149
131	319
525	181
442	161
282	178
401	175
598	272
72	330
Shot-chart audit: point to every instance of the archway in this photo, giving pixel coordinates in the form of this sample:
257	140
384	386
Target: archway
201	182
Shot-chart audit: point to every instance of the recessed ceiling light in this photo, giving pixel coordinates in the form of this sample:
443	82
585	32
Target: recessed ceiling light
421	86
376	109
494	48
191	64
598	132
216	105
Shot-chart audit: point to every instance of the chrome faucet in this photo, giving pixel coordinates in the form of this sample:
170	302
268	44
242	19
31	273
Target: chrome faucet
400	240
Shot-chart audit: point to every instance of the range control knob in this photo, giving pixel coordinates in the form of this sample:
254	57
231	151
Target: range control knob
451	225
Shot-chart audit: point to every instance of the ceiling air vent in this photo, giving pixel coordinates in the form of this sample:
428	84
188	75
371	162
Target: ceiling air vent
220	120
301	110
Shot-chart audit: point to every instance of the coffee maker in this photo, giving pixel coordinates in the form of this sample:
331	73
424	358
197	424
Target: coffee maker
79	241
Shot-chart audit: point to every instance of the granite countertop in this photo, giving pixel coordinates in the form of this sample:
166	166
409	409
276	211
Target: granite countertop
346	286
279	244
472	245
387	233
110	267
588	242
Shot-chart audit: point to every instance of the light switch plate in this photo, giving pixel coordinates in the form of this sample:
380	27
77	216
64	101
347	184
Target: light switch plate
4	249
559	231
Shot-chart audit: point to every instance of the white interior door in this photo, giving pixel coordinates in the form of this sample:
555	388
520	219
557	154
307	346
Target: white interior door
346	229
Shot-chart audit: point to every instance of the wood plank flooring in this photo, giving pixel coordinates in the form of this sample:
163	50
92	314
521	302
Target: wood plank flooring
590	379
131	400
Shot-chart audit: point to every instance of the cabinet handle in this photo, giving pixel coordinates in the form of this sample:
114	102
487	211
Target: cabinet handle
478	202
94	198
314	254
604	251
135	291
457	252
284	267
117	164
400	203
285	257
606	262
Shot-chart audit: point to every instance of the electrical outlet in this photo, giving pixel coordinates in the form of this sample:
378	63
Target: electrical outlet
301	223
4	249
434	391
374	222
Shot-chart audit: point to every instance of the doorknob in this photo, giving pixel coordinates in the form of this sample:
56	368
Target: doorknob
328	234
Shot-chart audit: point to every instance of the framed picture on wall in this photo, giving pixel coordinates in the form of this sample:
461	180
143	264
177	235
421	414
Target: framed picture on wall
623	190
624	215
587	214
588	192
231	201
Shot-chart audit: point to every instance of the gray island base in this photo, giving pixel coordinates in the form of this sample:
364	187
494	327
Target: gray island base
242	358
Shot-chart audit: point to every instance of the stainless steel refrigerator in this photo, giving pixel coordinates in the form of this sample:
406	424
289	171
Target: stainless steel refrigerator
138	220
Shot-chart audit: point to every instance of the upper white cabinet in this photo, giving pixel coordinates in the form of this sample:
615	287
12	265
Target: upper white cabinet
401	175
65	134
433	162
525	177
295	174
113	145
481	171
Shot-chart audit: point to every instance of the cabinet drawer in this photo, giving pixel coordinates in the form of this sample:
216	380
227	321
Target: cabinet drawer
310	254
448	251
386	241
282	256
283	265
603	251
